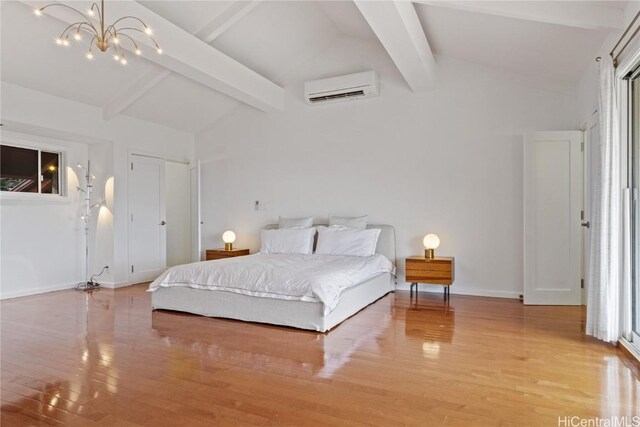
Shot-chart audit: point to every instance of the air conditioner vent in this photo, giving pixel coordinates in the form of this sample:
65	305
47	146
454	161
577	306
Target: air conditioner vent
342	88
336	96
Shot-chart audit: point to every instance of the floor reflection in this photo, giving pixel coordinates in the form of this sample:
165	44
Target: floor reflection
619	385
281	350
432	320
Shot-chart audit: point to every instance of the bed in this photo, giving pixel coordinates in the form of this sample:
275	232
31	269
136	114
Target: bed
310	314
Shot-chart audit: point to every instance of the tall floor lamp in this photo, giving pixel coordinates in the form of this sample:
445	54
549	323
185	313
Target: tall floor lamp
88	283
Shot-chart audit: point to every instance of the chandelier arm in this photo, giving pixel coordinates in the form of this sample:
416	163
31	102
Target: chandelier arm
90	28
130	17
68	7
79	27
92	41
98	9
69	28
140	31
109	33
135	45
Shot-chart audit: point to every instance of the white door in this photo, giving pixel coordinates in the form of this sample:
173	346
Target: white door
552	205
591	154
178	212
147	231
196	222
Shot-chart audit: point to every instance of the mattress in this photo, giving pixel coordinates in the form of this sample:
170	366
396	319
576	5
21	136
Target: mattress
310	278
294	313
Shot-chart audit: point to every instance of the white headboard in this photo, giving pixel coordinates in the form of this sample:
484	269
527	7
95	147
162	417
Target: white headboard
386	242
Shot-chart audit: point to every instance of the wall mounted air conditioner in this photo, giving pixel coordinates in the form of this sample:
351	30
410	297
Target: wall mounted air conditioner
342	88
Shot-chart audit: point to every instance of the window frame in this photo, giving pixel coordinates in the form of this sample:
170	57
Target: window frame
631	174
62	167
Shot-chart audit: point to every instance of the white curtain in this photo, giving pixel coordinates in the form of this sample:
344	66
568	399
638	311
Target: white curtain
605	278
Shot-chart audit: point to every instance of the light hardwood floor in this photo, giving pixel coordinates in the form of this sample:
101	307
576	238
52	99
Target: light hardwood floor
105	358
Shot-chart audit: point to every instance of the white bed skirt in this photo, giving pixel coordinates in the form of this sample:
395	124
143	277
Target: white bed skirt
298	314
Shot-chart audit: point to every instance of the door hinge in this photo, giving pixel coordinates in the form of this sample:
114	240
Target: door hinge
581	283
581	215
132	268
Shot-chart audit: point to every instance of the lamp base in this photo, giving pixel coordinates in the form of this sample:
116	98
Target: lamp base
429	253
228	246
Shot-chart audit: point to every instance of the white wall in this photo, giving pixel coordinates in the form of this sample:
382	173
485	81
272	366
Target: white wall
447	161
42	234
587	88
28	109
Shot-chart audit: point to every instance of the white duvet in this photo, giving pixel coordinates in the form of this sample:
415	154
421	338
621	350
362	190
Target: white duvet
313	278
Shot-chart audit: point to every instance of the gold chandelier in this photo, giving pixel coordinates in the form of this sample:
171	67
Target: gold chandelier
107	36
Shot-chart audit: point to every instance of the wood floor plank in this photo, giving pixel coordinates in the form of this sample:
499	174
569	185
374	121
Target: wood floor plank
105	358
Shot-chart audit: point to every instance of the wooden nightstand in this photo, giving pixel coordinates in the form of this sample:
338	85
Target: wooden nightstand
222	253
433	271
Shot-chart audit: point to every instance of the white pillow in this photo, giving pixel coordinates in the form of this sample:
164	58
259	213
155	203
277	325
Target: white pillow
295	222
347	241
287	241
349	221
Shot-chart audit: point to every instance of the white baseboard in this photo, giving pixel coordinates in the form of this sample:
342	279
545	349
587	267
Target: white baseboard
113	285
27	292
462	291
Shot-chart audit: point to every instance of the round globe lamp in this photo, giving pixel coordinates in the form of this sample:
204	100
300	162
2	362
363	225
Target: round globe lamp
228	237
431	242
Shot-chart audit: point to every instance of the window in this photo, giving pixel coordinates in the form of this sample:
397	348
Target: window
27	170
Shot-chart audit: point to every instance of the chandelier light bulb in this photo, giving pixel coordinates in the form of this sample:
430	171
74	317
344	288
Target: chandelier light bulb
116	40
148	31
159	51
89	55
58	41
123	61
116	57
138	51
90	12
77	36
38	12
65	42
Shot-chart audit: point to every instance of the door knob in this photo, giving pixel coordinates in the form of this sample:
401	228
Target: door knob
586	224
163	223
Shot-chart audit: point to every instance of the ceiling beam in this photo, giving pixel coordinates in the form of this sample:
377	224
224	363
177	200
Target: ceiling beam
187	55
123	99
567	13
218	25
398	28
221	23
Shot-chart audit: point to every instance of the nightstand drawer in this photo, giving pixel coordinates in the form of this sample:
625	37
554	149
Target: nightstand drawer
213	254
428	266
429	274
437	271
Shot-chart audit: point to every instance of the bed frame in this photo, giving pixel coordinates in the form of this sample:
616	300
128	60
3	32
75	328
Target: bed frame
297	314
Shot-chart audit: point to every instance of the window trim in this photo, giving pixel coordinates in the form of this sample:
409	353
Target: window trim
62	171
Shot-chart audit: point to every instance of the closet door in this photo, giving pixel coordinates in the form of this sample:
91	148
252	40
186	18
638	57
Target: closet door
147	222
552	222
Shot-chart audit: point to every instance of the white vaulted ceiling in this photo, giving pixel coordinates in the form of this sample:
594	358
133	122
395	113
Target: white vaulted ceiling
265	42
